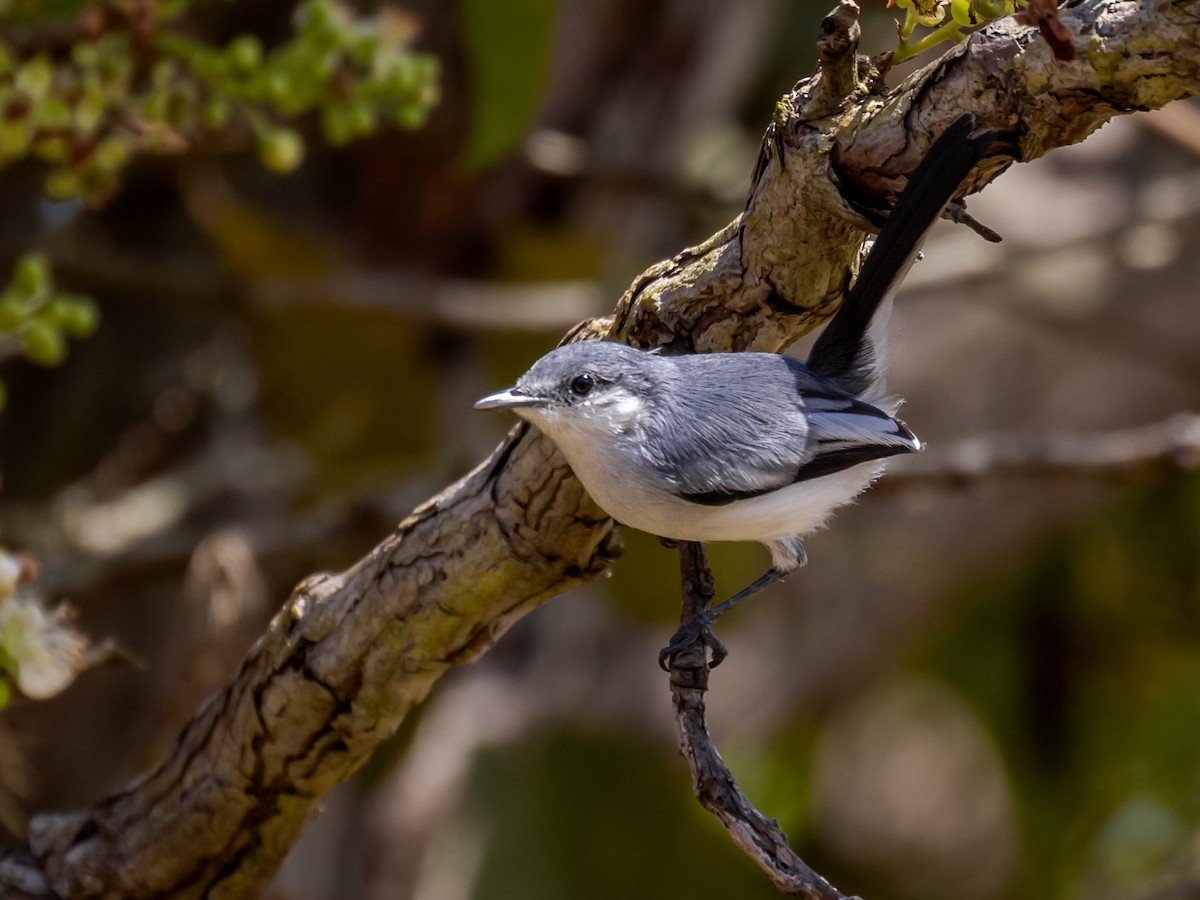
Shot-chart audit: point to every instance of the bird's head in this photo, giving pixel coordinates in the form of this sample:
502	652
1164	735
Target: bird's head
598	387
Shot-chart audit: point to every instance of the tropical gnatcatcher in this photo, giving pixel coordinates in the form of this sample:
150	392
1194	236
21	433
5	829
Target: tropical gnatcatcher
745	446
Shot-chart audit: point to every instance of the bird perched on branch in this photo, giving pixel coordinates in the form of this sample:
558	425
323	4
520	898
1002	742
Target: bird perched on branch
745	446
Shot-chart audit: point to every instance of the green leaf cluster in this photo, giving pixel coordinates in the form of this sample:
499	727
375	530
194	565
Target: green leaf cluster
357	73
38	317
947	19
120	86
59	113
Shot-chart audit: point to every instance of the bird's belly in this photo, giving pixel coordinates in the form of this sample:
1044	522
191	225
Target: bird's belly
794	510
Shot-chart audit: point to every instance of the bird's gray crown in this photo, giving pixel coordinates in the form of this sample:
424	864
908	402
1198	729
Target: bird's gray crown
578	372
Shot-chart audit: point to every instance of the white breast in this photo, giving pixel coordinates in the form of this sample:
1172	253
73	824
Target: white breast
795	510
630	494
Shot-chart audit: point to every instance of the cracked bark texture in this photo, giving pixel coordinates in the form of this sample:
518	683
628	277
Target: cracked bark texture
350	654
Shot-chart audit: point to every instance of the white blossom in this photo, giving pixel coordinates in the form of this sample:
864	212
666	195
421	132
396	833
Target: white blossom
42	649
10	574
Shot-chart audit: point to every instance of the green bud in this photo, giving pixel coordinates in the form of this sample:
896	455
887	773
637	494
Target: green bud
115	65
299	100
12	313
361	117
85	55
425	67
52	149
61	184
244	53
96	185
320	15
110	154
336	125
44	343
280	149
993	9
325	66
279	85
428	95
403	73
57	310
362	49
31	275
52	112
76	315
960	11
411	116
34	77
89	113
15	138
155	105
216	113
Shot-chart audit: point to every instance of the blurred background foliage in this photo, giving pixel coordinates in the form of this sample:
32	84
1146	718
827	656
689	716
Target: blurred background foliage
303	271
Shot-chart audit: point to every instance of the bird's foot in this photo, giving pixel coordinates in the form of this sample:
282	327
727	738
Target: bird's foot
697	631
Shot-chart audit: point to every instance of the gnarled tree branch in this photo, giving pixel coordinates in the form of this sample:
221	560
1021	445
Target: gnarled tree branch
350	654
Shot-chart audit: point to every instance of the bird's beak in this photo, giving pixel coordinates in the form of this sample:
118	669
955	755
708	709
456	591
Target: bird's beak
513	398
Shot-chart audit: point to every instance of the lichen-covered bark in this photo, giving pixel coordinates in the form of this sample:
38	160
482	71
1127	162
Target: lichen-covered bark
342	663
351	653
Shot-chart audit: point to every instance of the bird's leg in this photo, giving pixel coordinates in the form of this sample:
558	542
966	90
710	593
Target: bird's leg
700	627
787	554
768	577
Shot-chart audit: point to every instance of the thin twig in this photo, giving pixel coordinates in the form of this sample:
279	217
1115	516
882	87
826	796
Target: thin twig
1174	442
758	837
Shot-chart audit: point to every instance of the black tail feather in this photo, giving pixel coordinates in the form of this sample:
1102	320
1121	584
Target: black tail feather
841	354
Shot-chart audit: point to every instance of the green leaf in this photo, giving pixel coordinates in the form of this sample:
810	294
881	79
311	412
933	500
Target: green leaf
508	46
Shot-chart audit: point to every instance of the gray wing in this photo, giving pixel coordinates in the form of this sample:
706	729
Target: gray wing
743	424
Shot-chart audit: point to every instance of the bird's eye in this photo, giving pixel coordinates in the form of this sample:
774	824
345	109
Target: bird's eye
582	384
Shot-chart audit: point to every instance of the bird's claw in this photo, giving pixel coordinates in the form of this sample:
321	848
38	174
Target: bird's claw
697	631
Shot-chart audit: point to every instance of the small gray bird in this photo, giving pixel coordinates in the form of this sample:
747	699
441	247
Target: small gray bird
745	446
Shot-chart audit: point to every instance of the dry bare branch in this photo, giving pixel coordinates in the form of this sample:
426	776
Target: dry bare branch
1174	442
758	837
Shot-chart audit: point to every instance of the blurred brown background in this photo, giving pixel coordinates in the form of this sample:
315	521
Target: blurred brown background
978	689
